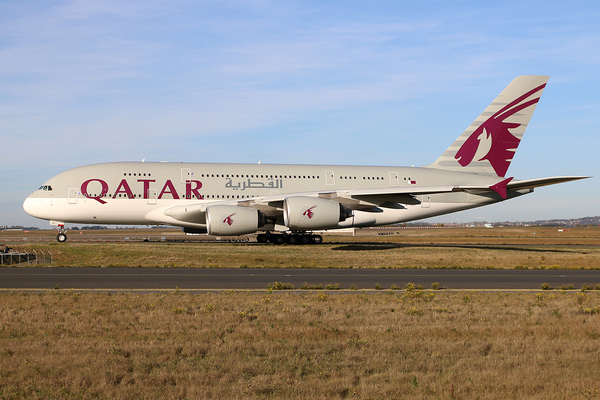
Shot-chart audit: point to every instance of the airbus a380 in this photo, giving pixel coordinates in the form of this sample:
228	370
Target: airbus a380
286	203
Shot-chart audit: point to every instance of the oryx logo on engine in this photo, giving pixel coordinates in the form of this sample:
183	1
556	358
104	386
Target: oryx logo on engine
228	220
309	212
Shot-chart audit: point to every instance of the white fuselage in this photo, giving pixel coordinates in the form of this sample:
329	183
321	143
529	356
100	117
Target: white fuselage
140	193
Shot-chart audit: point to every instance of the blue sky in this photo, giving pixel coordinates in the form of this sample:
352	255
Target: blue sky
337	82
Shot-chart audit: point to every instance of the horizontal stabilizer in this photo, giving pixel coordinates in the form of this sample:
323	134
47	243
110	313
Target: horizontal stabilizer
533	183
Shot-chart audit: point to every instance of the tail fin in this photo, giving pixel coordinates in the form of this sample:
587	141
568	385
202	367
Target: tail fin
488	145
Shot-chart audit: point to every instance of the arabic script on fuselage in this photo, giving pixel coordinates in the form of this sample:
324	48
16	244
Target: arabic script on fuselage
253	184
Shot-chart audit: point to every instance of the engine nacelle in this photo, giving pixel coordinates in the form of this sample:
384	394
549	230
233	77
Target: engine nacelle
232	220
188	213
306	213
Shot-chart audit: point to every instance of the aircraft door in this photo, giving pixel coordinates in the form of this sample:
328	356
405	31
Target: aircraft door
426	201
394	180
186	175
72	195
329	177
152	196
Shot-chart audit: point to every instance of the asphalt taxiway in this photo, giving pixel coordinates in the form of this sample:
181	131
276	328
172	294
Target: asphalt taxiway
155	279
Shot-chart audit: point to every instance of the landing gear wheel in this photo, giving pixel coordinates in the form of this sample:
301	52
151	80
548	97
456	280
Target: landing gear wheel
261	238
304	239
61	237
278	239
292	239
317	239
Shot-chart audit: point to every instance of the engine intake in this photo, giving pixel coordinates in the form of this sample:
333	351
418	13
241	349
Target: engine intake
233	220
306	213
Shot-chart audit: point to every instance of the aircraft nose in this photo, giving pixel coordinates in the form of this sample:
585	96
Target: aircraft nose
34	207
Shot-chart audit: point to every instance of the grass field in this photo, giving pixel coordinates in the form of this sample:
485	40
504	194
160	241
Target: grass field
530	247
371	345
413	344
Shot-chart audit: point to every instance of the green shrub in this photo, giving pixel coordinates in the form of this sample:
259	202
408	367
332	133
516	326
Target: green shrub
306	286
280	286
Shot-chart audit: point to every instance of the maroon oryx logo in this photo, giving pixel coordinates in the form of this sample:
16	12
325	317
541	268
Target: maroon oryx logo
309	212
496	128
228	220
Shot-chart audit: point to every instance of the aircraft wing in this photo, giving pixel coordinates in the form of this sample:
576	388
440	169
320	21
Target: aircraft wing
369	199
364	199
401	191
500	187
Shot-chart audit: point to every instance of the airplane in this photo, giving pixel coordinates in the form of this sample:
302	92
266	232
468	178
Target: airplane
286	203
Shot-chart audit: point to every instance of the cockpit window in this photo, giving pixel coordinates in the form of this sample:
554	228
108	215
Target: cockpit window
45	187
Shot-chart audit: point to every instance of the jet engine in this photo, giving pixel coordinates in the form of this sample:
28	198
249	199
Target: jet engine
306	213
233	220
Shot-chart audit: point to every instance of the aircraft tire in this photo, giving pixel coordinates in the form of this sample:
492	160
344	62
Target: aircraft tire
292	239
304	239
61	237
317	239
261	238
278	239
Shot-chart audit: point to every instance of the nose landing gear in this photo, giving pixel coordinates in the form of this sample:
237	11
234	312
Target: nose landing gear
62	234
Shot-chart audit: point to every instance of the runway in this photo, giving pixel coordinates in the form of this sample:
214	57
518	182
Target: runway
154	279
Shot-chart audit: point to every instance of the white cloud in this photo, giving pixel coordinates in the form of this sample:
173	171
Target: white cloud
103	80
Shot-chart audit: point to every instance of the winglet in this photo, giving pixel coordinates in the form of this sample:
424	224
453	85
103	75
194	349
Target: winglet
500	187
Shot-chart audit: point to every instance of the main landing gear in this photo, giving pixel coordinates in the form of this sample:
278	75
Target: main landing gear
62	234
289	238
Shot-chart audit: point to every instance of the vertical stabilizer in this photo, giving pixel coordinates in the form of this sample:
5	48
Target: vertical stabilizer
488	145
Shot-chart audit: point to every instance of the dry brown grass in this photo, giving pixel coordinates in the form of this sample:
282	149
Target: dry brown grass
417	344
510	248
